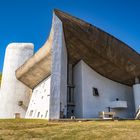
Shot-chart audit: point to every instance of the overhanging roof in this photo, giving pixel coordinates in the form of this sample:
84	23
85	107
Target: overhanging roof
36	68
101	51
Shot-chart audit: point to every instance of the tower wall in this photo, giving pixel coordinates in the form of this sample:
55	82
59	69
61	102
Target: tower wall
136	91
12	90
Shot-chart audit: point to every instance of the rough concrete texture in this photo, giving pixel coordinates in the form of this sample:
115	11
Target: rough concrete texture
39	103
12	90
87	42
101	51
38	67
87	105
51	58
58	97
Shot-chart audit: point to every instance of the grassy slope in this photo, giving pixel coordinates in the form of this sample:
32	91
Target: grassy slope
92	130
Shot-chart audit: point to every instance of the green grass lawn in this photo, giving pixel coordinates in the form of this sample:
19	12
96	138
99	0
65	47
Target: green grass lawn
23	129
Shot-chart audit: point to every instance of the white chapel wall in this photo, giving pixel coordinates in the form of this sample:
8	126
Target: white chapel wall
87	105
39	103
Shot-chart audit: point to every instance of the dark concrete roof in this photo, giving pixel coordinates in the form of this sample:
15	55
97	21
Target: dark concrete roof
101	51
37	68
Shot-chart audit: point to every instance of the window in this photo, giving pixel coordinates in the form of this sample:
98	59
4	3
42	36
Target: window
46	114
95	91
38	114
31	113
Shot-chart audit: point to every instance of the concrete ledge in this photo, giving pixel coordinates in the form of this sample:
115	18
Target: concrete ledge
37	68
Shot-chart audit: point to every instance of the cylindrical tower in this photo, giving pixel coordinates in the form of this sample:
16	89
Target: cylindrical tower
136	91
14	95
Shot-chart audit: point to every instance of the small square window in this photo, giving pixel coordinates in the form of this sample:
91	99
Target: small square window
38	114
95	91
31	113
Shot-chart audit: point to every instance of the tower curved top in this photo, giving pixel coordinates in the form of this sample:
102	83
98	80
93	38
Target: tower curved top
18	45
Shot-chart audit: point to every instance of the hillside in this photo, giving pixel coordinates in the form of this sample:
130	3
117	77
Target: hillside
24	129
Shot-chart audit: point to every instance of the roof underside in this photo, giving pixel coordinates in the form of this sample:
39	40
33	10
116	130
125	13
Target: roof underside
37	68
102	52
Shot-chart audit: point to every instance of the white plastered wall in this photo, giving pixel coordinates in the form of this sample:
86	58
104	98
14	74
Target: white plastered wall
58	96
12	90
39	103
136	90
78	96
87	105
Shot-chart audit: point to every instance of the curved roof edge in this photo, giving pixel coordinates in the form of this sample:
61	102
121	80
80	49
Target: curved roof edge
36	68
103	52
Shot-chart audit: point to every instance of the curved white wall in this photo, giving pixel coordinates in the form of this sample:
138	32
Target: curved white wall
87	105
39	103
136	90
12	90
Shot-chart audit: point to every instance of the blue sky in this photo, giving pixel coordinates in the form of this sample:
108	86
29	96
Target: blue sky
30	20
